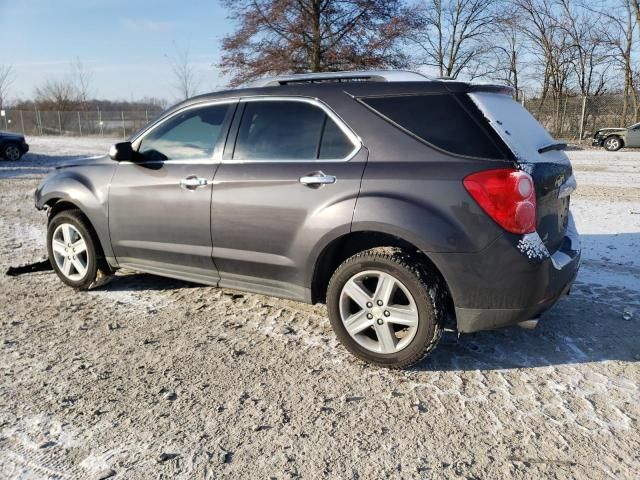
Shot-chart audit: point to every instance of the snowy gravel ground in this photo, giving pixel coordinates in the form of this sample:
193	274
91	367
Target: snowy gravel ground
156	378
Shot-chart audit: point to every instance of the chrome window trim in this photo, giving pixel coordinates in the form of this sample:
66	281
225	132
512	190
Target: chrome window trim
350	134
201	161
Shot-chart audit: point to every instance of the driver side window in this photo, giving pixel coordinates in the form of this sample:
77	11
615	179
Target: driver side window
189	135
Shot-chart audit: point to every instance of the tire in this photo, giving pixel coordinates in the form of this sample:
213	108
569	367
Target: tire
12	152
68	228
612	143
416	300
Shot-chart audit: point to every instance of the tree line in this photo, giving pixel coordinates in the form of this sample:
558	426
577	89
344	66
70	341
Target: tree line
550	48
547	49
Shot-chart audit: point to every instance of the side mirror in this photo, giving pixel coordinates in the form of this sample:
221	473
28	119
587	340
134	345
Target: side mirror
122	151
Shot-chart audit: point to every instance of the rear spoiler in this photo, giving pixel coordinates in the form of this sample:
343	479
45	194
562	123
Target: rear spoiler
491	88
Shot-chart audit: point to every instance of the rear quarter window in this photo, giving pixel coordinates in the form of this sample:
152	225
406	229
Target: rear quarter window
440	120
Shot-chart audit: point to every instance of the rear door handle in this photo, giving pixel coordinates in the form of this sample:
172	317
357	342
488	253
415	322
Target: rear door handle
192	182
318	179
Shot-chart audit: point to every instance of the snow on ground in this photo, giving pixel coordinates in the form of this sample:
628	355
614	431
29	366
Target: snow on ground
155	378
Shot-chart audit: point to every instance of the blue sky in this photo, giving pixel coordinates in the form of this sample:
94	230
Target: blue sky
124	42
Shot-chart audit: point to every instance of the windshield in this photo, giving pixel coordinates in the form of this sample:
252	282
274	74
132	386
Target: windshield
516	126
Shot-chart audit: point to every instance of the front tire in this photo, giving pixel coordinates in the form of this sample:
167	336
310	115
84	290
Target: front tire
12	152
612	143
386	307
72	249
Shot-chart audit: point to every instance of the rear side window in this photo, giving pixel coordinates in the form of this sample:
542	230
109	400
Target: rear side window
335	143
440	120
288	130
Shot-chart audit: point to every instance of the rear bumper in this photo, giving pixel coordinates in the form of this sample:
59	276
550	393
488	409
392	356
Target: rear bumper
511	281
477	319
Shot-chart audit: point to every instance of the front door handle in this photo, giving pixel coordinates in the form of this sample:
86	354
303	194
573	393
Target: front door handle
317	179
192	182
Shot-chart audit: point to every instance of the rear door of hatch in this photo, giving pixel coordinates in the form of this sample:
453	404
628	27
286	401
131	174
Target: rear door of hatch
539	155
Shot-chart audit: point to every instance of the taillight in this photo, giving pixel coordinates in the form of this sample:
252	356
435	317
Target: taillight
507	195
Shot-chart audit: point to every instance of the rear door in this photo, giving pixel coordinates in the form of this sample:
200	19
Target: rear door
160	206
289	178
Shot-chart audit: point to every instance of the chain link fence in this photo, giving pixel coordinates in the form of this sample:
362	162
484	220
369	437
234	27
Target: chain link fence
576	118
76	123
571	118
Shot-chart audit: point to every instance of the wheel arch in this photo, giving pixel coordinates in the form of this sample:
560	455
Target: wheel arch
619	136
347	245
74	190
58	205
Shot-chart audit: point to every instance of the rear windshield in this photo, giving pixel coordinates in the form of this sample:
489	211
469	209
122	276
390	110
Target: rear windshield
515	125
441	120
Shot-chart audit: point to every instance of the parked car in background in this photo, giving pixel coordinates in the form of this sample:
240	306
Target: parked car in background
12	146
614	139
405	204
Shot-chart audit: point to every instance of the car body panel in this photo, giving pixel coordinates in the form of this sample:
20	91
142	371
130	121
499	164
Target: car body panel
85	184
155	221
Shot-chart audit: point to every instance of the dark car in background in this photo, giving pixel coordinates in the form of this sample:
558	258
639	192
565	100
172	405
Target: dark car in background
613	139
12	146
407	205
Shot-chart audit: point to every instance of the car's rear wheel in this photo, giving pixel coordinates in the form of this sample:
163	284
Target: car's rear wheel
72	249
386	307
613	143
12	152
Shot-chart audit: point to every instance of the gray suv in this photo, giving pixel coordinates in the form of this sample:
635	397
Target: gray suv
405	204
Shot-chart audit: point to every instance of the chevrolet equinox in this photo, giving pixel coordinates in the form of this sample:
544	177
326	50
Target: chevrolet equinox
407	205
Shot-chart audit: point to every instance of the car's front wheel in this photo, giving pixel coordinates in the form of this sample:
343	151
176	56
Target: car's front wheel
72	249
385	307
613	143
12	152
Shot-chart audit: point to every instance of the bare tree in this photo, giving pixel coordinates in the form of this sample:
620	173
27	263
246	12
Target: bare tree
57	94
453	35
508	52
187	82
6	80
617	31
82	78
277	36
590	52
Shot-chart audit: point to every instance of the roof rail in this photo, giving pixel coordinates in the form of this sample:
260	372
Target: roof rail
362	75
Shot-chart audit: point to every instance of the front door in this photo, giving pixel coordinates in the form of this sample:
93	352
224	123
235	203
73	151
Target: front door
633	136
160	205
289	178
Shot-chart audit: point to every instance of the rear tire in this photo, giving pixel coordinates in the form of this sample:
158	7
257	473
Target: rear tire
11	152
612	143
398	317
74	250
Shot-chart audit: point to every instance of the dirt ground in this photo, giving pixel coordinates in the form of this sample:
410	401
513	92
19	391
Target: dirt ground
155	378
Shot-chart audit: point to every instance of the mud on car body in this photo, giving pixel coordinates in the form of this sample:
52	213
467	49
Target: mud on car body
405	204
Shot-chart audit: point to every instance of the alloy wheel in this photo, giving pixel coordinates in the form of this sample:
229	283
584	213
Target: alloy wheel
613	143
70	252
378	311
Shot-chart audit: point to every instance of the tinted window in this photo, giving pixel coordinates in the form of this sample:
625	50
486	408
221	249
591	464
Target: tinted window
335	144
190	135
439	120
279	130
